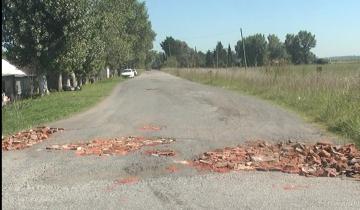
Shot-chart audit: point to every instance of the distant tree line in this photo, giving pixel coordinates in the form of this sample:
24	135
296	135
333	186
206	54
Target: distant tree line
81	37
259	49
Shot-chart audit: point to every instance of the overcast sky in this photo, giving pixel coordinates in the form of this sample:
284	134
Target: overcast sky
201	23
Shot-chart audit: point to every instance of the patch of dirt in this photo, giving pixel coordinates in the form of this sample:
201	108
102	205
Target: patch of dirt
116	146
320	159
27	138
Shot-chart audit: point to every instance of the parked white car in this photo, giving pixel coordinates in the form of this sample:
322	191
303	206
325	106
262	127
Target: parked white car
128	73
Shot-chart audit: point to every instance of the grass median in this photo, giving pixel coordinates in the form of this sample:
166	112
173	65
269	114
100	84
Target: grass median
29	113
330	95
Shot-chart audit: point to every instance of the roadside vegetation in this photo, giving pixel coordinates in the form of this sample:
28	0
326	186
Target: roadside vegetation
330	95
81	38
251	51
29	113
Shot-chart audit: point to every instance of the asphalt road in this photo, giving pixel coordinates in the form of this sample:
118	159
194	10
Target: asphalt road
201	118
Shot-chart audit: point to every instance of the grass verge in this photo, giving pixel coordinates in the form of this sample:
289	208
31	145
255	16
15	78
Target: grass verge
330	97
28	113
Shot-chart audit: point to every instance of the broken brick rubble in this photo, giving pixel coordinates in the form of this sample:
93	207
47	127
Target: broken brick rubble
320	159
28	138
158	153
115	146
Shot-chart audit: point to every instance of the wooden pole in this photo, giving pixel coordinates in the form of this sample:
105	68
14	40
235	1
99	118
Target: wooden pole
217	59
243	45
169	50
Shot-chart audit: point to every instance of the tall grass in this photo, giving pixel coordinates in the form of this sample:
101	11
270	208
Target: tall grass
28	113
330	96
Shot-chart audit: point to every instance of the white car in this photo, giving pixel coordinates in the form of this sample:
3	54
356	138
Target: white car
128	73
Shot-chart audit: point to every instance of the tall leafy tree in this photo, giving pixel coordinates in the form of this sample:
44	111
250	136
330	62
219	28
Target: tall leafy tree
293	48
209	59
169	46
200	59
230	57
239	53
299	47
255	48
306	42
276	48
220	55
181	52
44	36
82	36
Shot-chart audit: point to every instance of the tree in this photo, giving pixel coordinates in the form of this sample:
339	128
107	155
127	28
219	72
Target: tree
221	56
183	54
169	46
154	60
299	47
209	59
256	50
40	35
276	48
76	36
306	42
293	48
138	27
239	53
230	57
200	59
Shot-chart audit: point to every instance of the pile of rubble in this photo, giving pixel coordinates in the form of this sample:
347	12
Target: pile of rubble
320	159
116	146
28	138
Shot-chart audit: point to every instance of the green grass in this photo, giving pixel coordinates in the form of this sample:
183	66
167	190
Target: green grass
330	97
29	113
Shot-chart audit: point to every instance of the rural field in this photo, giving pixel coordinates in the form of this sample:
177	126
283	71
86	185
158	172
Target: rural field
147	104
330	96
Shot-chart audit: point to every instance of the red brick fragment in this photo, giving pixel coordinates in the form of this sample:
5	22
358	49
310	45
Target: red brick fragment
127	180
115	146
28	138
320	159
158	153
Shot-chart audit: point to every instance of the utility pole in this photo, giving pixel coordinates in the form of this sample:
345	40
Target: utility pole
169	50
195	58
217	59
243	45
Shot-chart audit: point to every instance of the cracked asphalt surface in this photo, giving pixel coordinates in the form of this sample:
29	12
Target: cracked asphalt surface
201	118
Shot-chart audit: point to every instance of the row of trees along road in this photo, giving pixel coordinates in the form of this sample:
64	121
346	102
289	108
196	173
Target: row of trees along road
82	37
259	50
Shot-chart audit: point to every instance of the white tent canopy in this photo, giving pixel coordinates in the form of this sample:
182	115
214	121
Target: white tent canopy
8	69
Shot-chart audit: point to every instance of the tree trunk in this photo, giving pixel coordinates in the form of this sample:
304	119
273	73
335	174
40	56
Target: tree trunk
80	81
60	82
68	84
86	79
43	85
73	79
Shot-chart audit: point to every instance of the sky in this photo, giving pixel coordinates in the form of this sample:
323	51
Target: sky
202	23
